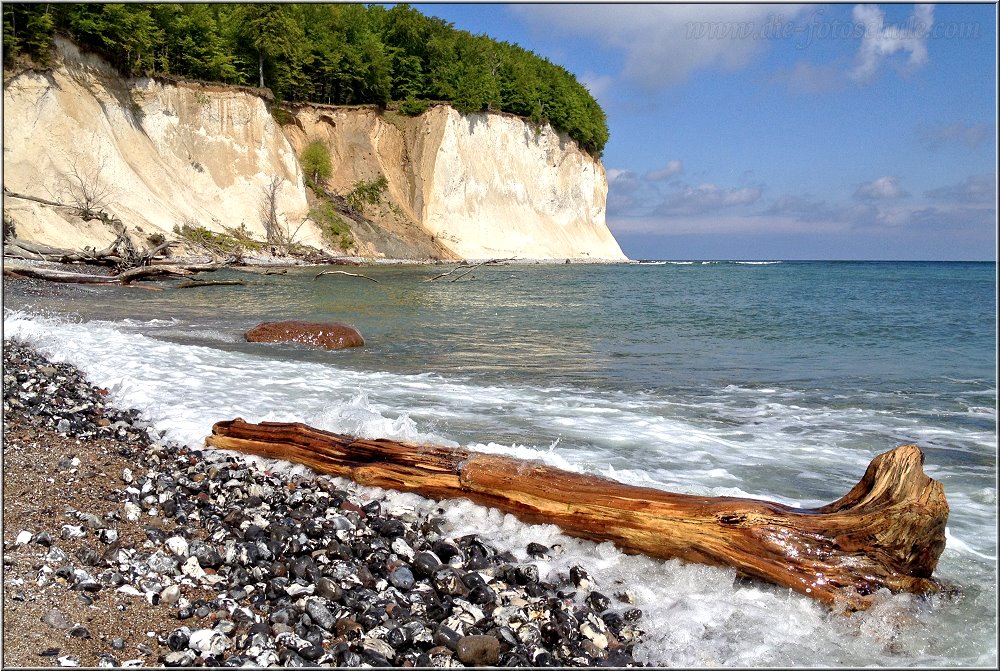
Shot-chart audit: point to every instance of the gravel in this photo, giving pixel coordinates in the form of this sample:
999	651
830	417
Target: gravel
122	549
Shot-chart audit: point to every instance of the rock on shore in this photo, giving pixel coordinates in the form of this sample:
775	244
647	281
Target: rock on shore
121	549
327	335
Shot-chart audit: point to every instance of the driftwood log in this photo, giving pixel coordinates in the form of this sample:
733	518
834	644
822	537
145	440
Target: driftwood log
33	251
343	272
888	531
122	278
469	269
194	284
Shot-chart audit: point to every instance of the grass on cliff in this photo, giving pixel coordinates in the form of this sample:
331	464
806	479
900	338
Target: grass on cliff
235	242
336	231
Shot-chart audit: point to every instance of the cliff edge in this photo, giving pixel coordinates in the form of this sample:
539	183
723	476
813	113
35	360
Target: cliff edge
161	155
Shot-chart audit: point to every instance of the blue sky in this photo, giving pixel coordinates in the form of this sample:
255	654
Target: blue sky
782	131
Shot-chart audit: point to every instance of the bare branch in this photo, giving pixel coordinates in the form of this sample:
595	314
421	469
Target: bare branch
269	211
190	284
84	188
343	272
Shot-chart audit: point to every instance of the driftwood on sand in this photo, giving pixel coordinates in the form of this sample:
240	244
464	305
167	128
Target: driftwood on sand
469	269
125	277
344	272
194	284
115	254
888	531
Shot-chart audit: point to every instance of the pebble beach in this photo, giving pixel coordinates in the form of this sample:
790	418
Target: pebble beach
123	549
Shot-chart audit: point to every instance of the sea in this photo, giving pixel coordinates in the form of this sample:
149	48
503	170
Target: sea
771	380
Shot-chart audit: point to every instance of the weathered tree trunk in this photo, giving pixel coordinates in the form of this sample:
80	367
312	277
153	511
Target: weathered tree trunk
342	272
13	270
123	278
888	531
25	249
194	284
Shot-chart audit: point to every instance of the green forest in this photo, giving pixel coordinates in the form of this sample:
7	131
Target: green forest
341	54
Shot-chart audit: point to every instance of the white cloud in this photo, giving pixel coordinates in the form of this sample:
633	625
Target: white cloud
893	216
958	133
805	77
623	187
882	188
975	189
664	44
615	174
597	84
706	198
976	223
723	225
672	168
880	40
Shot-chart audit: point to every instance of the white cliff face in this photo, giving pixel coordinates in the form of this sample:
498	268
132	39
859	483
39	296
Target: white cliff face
162	154
159	155
480	185
498	188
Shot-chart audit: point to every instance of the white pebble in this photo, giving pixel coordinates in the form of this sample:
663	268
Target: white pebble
596	637
401	548
210	641
132	511
192	568
178	545
170	595
72	531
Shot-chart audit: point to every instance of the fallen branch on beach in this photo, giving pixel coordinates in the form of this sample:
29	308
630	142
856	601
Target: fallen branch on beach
109	256
192	284
31	251
145	272
263	271
125	277
13	270
469	269
888	531
344	272
86	202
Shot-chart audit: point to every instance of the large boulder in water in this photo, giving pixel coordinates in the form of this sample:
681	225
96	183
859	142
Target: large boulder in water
328	335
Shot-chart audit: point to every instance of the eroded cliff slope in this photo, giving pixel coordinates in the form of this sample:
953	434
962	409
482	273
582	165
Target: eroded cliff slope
160	155
481	185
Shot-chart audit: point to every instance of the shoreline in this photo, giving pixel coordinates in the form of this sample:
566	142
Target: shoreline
122	549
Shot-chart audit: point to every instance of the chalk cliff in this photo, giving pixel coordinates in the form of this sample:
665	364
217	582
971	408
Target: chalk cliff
156	155
162	154
481	185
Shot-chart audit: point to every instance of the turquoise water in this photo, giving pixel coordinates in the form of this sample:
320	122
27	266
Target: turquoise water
776	380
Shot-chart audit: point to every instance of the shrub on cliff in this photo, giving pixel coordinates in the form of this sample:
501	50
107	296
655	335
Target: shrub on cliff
367	192
316	162
413	107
